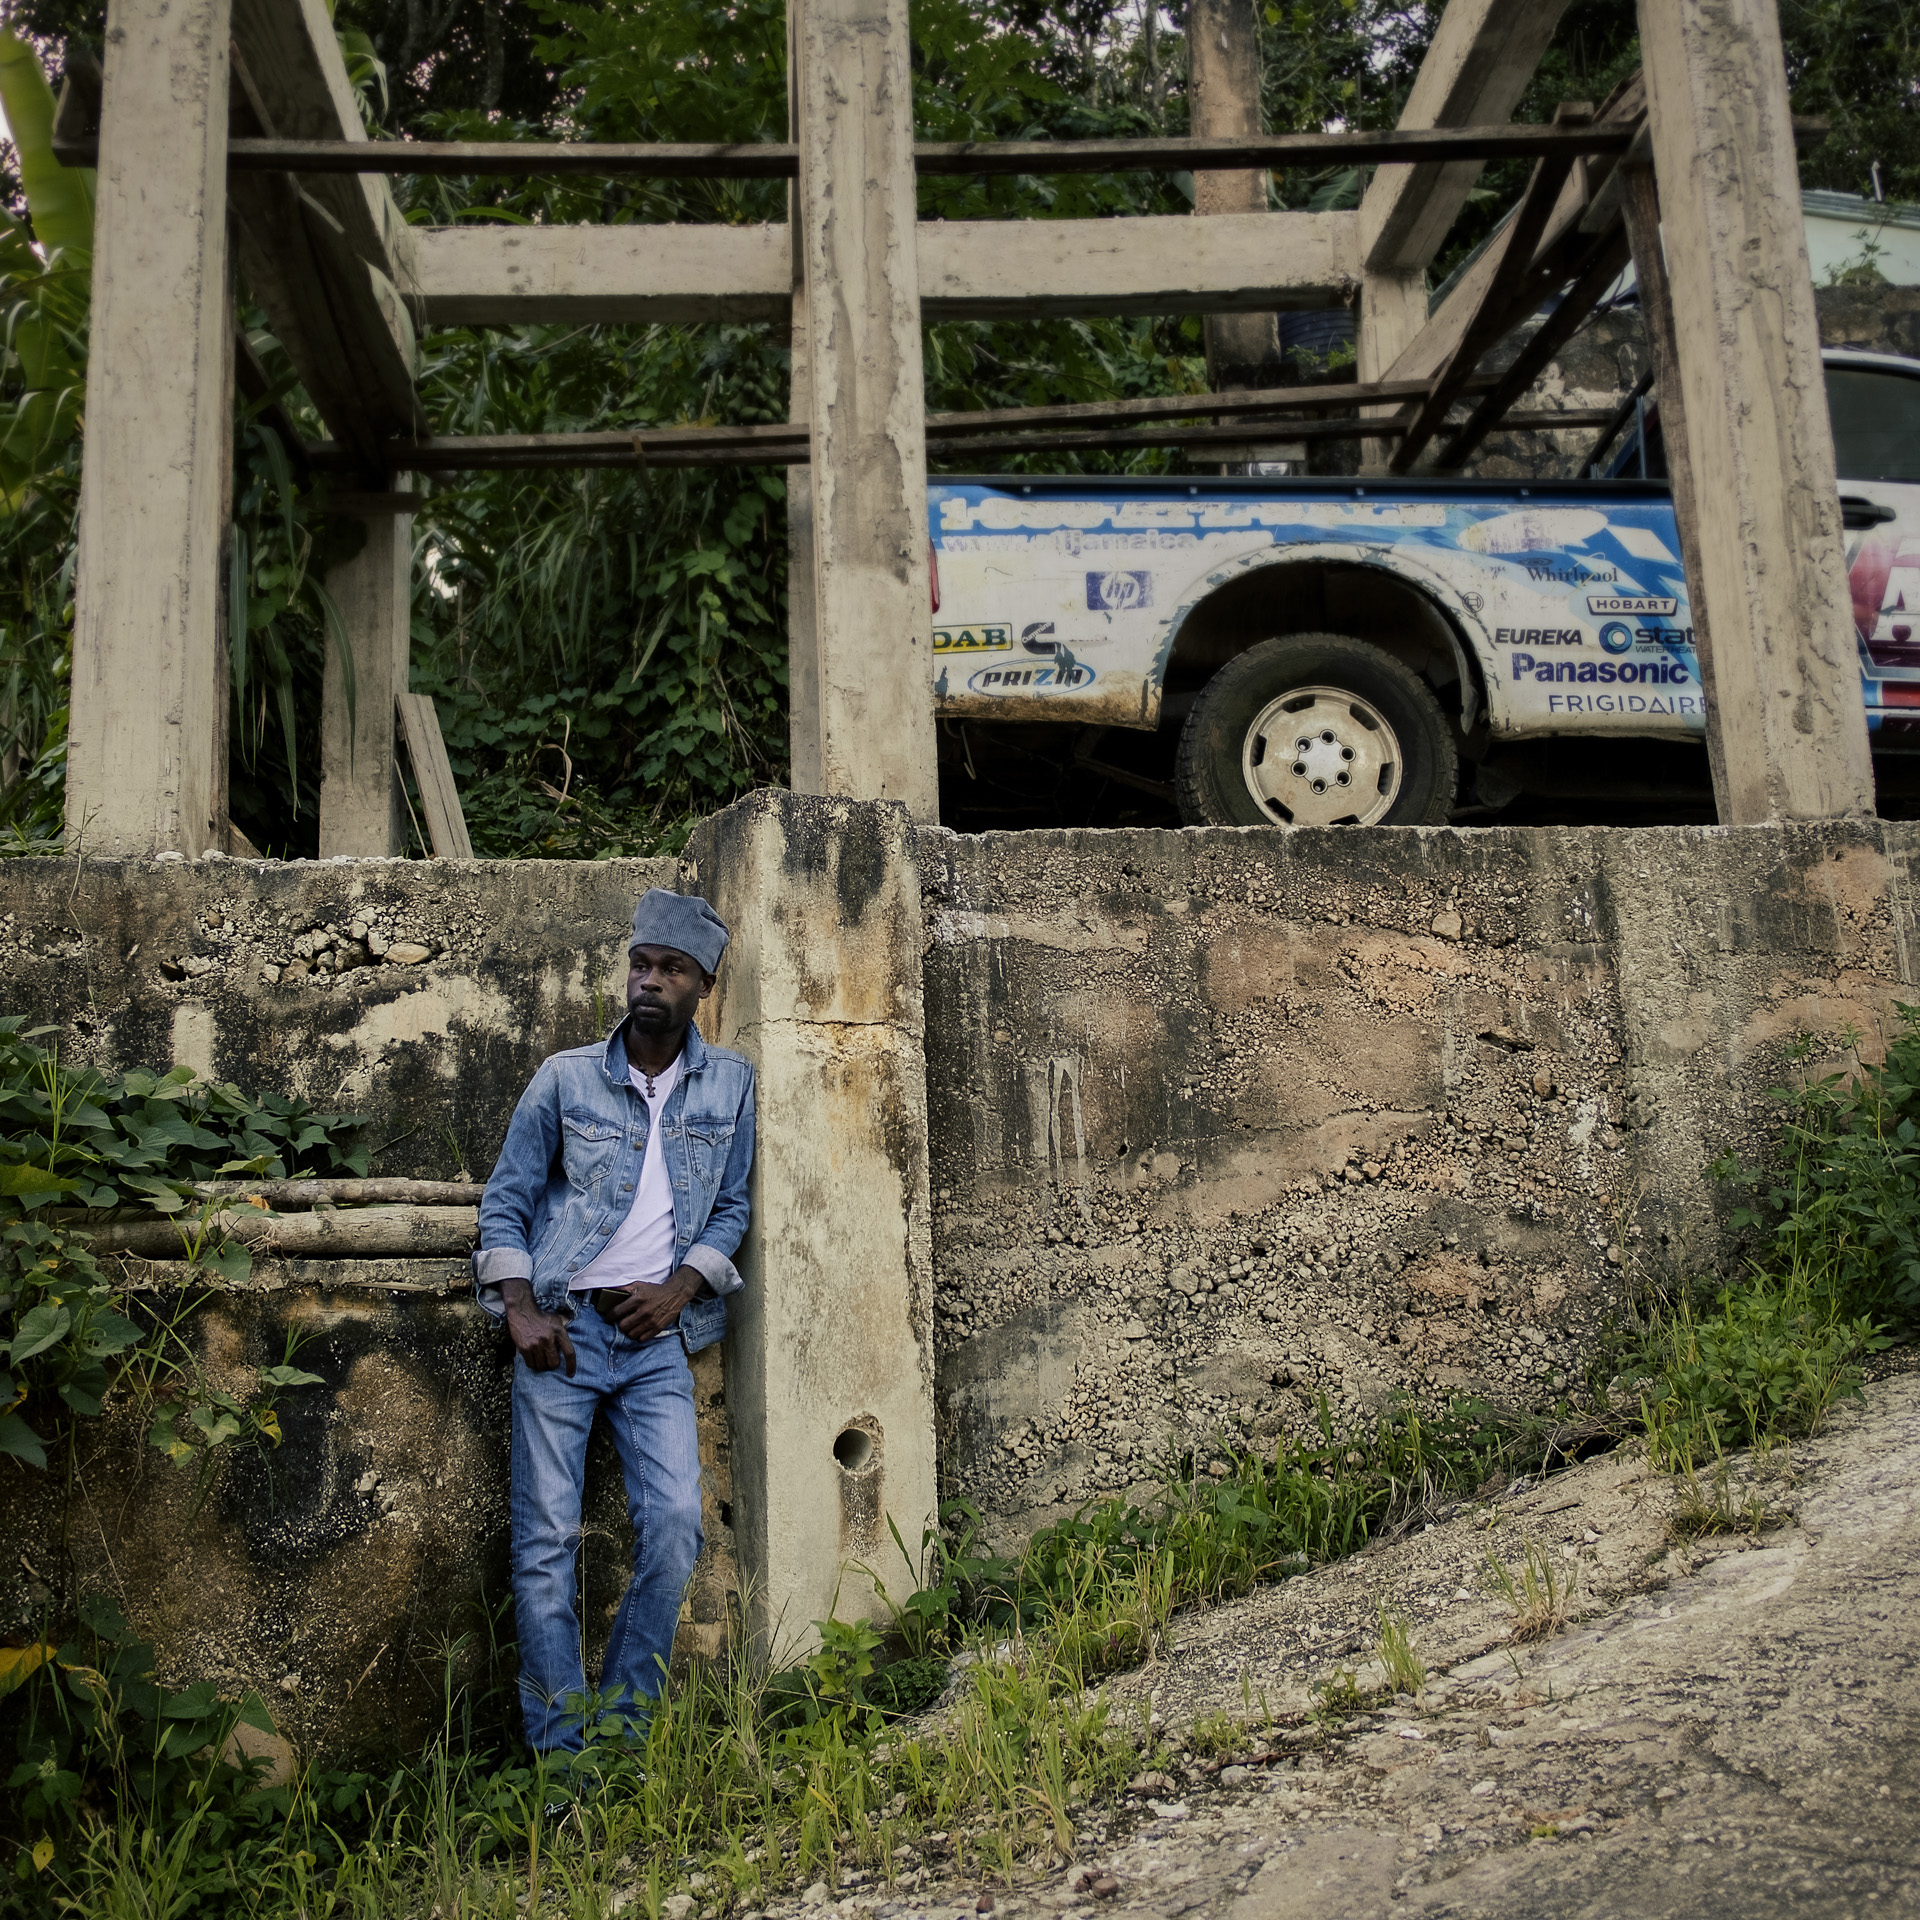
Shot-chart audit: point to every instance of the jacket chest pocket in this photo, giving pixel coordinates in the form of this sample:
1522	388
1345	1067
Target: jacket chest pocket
589	1146
708	1144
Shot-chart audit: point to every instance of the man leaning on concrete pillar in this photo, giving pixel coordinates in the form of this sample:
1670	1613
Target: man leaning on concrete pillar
622	1189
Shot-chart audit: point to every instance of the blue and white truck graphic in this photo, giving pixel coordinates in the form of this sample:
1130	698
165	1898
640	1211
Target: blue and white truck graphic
1333	647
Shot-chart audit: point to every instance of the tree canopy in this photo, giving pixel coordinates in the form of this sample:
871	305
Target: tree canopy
607	648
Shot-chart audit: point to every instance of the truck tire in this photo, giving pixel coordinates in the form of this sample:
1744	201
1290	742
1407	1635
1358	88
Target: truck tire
1315	730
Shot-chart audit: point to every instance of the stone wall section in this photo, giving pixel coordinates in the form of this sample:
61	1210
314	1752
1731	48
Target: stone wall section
1218	1123
1225	1122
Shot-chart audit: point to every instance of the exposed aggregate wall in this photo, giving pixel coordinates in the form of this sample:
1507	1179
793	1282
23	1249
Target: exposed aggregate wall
1218	1122
1227	1121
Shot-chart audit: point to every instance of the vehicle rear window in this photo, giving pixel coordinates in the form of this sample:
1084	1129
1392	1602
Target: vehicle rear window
1876	423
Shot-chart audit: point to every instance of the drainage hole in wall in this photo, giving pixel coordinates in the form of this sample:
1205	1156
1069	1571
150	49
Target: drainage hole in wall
854	1448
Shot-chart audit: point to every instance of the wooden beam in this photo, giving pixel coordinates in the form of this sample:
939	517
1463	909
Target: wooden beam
446	824
759	446
1438	341
1786	731
1157	263
1554	332
1489	323
363	801
770	160
663	275
146	759
327	257
1484	52
856	224
333	317
969	269
293	59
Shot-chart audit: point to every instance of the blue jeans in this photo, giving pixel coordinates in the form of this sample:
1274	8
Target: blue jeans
646	1392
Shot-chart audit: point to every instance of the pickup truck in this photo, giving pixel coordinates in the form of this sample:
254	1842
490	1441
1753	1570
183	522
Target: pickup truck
1338	652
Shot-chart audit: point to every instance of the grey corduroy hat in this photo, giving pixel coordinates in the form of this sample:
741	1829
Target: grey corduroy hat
681	920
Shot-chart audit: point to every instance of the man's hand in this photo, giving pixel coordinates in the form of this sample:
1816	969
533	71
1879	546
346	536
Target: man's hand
641	1312
540	1338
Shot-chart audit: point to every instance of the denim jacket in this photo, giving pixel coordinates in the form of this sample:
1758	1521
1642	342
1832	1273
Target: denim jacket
556	1195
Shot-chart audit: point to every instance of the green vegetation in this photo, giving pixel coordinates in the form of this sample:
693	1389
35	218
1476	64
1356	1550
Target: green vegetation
127	1798
743	1779
75	1141
1835	1215
1540	1590
608	648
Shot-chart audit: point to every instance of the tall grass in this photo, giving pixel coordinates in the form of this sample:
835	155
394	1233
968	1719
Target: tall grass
746	1779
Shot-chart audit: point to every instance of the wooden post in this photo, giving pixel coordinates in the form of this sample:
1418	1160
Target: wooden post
1223	96
1785	724
363	807
1640	213
1392	310
805	774
871	643
145	768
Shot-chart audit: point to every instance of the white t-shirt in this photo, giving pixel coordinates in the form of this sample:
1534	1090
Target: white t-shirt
641	1250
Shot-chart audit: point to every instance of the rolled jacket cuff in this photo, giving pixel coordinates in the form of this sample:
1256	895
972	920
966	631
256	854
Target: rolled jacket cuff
714	1268
492	1268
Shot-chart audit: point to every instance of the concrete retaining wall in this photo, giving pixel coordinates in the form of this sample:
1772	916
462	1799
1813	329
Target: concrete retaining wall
1216	1122
1223	1121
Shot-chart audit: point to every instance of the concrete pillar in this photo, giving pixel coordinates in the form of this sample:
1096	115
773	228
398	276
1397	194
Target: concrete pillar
1392	310
363	807
1223	99
871	639
145	761
830	1346
805	774
1784	715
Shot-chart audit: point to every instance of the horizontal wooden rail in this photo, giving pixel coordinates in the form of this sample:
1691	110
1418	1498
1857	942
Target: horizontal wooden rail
344	1233
487	453
670	446
777	160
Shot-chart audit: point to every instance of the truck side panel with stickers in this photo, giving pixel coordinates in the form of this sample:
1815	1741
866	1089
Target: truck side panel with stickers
1332	649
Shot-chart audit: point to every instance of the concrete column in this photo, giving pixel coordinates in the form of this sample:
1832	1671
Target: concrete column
871	642
1223	96
363	808
144	770
805	773
1786	720
1392	310
830	1347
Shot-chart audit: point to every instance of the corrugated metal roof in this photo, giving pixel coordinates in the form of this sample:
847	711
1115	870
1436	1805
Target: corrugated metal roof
1858	210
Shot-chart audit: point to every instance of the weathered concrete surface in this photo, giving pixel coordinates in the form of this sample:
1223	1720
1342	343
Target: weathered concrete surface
830	1344
868	641
350	1573
233	967
147	755
1224	1121
363	806
1785	732
1729	1726
1217	1122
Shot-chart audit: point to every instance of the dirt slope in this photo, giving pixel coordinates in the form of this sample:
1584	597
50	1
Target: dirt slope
1733	1729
